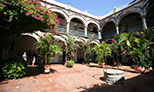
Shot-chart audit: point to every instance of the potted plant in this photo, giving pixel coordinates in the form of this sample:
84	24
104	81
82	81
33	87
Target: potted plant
121	45
140	54
102	50
70	63
87	51
70	47
47	49
115	63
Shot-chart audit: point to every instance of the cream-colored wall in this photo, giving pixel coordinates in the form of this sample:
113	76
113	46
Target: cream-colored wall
58	58
21	44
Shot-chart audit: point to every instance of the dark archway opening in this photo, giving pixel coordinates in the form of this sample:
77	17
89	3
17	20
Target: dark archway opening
130	23
109	30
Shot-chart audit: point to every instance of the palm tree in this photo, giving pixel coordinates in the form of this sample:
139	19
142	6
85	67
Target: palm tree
87	50
71	44
47	48
141	53
102	50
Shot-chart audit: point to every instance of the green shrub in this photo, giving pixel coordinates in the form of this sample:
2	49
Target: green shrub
70	63
14	69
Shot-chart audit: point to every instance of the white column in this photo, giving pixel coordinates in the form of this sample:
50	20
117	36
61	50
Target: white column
144	22
99	34
117	29
85	30
68	27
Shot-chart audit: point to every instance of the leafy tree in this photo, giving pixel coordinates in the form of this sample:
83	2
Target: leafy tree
136	45
47	48
87	49
121	45
71	44
102	50
141	52
19	16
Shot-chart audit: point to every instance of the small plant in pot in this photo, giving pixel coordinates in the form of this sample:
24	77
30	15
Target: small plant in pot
47	49
115	63
70	63
102	50
100	61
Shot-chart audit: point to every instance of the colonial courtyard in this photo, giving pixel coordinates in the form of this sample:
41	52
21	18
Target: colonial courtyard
80	78
48	46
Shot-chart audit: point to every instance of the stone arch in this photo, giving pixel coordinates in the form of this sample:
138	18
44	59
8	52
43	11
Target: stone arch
130	21
33	35
78	17
77	25
92	30
94	22
61	12
125	13
24	43
104	23
96	42
109	29
62	19
59	37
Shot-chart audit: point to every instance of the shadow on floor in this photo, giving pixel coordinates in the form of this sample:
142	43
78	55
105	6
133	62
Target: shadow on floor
97	66
141	83
34	71
1	83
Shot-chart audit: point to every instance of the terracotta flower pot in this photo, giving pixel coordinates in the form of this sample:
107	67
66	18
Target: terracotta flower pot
114	63
102	64
139	69
46	68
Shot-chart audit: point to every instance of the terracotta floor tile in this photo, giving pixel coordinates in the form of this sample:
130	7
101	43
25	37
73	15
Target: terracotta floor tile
80	78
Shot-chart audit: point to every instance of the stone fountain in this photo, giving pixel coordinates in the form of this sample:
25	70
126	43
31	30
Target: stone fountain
114	76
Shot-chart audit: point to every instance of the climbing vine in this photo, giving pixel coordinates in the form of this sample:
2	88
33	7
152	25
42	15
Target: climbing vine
19	11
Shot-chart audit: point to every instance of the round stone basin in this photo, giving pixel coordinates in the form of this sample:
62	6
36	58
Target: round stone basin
114	76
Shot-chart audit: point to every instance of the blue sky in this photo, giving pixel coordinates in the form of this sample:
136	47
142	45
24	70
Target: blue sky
95	7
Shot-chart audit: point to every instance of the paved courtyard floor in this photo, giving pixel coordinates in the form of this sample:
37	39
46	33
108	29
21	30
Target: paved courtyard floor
80	78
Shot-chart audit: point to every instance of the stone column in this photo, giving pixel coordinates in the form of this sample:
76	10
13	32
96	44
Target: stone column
117	29
99	34
144	22
68	27
85	30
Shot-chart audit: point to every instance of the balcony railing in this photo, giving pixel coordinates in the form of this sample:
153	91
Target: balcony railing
78	32
89	34
61	29
132	28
